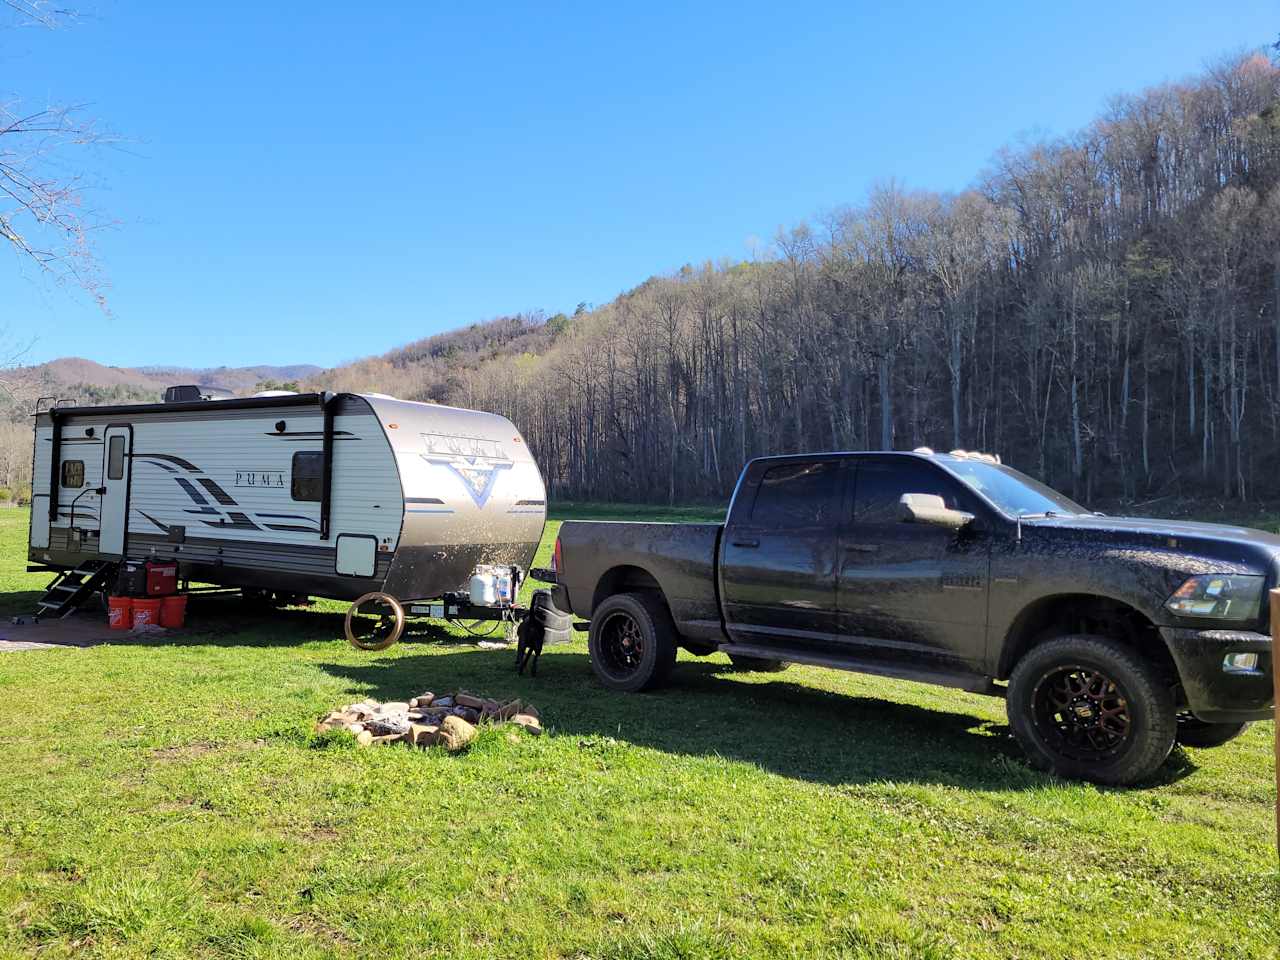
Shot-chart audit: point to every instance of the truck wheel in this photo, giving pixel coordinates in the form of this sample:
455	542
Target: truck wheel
757	664
1090	708
632	642
1198	733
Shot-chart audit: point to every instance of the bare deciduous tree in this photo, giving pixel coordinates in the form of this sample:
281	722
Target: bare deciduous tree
44	213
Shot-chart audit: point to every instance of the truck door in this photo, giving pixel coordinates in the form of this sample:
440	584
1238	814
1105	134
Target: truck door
114	510
910	590
778	555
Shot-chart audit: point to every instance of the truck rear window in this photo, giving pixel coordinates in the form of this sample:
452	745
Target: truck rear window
797	495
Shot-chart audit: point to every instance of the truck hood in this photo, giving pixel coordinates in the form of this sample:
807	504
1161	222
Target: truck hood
1178	545
1151	527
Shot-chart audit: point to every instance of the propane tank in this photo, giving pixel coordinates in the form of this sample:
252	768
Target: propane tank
484	589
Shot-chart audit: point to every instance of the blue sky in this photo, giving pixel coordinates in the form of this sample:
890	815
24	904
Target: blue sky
311	183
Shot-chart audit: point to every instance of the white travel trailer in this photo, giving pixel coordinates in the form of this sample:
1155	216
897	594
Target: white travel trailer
332	495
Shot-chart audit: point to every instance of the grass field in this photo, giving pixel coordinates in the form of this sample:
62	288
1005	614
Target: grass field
169	799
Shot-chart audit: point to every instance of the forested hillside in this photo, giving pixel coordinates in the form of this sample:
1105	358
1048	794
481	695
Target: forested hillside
1103	310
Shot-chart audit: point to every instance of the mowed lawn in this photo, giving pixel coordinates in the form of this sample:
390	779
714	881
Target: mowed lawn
169	799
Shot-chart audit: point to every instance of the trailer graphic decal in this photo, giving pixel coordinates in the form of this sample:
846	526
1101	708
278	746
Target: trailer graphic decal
476	461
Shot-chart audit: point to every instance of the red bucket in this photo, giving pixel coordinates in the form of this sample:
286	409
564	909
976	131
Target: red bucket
173	610
146	612
120	612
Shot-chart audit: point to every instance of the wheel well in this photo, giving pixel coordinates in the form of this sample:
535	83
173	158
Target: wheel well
624	579
1056	616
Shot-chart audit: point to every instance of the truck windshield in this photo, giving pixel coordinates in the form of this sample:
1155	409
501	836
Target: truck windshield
1014	493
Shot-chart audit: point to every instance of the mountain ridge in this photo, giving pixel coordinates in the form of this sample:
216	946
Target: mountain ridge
141	382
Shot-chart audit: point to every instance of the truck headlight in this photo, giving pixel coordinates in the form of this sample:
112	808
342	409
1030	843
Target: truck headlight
1218	596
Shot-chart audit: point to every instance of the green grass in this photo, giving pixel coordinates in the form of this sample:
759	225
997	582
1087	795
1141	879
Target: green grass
169	799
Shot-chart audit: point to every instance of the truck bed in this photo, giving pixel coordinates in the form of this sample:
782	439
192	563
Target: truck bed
601	556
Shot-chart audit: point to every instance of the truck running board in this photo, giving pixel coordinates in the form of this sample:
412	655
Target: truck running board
972	682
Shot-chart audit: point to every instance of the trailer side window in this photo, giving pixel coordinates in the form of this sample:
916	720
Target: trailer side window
73	473
305	483
115	458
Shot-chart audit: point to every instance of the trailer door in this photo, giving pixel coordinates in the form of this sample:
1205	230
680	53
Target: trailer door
114	510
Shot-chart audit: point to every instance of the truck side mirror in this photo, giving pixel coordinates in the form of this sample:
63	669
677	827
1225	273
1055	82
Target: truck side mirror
932	509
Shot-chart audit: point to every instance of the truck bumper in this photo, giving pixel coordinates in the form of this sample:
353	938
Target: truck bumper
1216	692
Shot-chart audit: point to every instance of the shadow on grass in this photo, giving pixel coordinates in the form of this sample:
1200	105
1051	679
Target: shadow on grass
228	621
20	603
786	728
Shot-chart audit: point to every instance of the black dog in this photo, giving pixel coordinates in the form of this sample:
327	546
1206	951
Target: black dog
530	635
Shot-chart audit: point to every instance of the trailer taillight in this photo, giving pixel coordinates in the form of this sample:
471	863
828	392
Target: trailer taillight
556	563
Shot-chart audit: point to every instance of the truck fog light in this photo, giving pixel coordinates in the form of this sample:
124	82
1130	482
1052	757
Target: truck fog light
1240	663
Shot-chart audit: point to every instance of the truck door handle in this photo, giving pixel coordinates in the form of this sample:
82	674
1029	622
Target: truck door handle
862	547
746	543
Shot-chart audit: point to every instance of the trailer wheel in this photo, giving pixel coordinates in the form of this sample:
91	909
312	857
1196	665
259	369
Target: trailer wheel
632	642
374	622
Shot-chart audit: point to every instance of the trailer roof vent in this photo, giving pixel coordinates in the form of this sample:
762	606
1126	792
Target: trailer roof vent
191	393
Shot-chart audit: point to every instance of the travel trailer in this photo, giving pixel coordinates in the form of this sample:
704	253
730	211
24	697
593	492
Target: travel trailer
331	495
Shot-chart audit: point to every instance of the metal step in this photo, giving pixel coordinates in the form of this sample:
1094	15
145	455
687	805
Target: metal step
973	682
73	587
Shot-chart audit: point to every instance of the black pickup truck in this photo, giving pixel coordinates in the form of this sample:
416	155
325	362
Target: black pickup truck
1111	638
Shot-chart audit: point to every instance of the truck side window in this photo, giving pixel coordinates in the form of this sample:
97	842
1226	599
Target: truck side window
880	486
305	481
797	495
73	473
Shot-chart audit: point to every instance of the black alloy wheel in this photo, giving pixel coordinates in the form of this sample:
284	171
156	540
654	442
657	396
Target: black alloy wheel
632	641
1083	712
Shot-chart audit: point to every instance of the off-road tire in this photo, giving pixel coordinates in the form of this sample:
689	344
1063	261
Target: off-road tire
632	642
1201	735
1137	688
757	664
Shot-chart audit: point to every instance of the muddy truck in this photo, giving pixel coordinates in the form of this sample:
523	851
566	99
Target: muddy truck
1110	638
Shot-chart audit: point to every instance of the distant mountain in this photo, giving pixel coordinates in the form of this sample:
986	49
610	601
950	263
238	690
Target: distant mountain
81	379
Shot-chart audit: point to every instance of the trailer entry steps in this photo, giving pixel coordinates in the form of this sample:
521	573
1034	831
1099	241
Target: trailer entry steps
73	587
